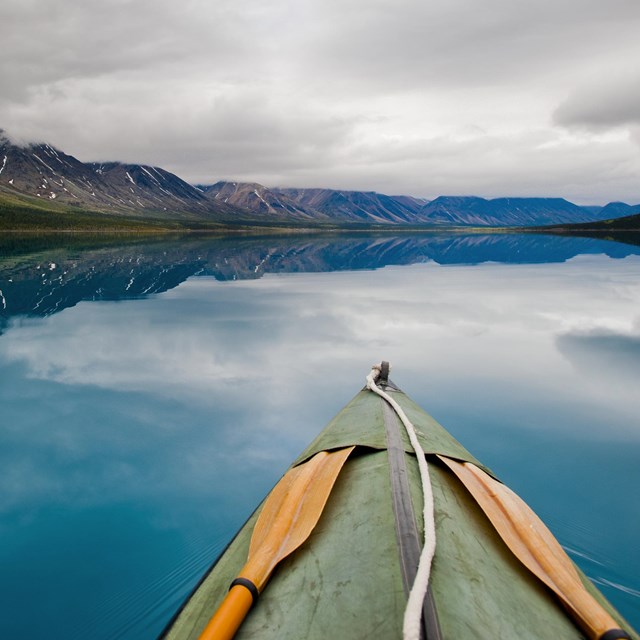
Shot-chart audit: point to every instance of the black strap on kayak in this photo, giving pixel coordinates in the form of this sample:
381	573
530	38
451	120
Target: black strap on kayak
406	528
615	634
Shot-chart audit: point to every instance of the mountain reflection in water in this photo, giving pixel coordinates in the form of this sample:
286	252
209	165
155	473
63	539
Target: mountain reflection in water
40	277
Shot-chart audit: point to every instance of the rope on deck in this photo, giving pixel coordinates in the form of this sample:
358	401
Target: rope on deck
413	613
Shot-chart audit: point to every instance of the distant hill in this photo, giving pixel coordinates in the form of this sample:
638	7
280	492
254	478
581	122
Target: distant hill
358	206
323	205
618	210
36	178
504	212
626	223
263	202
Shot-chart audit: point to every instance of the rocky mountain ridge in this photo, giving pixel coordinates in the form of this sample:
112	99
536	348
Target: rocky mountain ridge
358	206
42	172
261	200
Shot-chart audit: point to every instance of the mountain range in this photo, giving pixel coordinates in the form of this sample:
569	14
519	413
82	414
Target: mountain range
39	175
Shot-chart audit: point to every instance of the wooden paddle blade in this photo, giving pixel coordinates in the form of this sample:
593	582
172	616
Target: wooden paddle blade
288	517
534	545
291	511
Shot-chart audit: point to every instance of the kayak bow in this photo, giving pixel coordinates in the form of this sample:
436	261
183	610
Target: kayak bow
340	536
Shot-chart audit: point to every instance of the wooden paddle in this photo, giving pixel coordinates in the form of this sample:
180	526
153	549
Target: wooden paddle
536	547
288	516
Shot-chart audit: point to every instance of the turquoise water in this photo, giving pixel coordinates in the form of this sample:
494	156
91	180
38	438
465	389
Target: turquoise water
151	393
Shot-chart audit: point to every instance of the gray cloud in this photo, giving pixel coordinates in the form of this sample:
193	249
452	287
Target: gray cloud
47	43
407	43
604	103
421	98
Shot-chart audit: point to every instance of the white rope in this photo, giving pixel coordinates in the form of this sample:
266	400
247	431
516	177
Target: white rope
413	612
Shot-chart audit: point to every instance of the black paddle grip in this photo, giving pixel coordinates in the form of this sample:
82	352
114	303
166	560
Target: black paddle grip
247	584
615	634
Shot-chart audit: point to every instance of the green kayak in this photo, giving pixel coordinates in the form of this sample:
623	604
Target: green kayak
334	550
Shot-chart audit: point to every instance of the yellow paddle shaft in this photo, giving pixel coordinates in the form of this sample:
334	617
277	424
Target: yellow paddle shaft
229	616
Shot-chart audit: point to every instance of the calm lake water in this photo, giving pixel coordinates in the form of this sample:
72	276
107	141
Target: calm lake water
151	393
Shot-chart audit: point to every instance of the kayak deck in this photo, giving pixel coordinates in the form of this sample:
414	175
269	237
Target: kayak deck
346	580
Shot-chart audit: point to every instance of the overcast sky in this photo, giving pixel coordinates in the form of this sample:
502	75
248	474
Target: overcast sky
423	97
